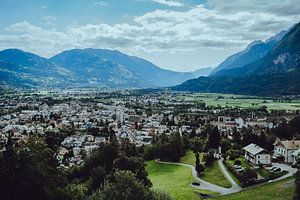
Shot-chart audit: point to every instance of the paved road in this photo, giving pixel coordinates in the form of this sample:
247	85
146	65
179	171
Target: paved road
285	167
207	185
235	187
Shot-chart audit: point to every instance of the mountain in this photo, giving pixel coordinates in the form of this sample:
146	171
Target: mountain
252	53
26	70
202	71
83	68
276	73
115	69
262	85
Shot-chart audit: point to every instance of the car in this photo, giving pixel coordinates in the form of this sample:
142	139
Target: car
196	183
237	167
271	168
276	169
240	170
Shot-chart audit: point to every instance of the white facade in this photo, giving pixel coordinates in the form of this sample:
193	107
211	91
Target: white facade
286	148
257	155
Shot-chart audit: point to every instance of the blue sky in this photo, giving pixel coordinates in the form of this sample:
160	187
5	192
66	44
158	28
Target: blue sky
180	35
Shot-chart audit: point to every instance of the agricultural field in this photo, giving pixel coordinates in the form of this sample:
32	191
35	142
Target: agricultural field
173	179
240	101
281	190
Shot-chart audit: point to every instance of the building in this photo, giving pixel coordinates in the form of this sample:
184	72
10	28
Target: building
285	148
295	156
257	155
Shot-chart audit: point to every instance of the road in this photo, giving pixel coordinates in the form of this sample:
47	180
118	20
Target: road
285	167
207	185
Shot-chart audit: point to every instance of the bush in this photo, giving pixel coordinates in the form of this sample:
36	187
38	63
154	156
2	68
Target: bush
199	168
149	152
209	159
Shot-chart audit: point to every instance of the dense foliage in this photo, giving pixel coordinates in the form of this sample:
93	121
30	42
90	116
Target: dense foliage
115	171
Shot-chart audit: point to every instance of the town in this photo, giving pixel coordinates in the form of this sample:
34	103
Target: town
251	146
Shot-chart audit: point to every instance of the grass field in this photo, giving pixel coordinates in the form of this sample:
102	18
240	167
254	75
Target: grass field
211	174
173	179
240	101
188	158
214	175
281	190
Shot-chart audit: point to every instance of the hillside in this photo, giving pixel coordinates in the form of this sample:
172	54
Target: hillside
83	68
27	70
254	51
116	69
277	73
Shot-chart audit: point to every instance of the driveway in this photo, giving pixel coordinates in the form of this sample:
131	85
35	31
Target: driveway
285	167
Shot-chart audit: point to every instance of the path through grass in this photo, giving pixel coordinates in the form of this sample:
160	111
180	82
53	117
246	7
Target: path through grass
173	179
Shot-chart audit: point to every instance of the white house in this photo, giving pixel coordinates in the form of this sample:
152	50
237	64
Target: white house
257	155
285	148
295	155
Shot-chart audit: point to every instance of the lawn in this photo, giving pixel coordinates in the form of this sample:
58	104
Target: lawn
213	174
173	179
281	190
188	158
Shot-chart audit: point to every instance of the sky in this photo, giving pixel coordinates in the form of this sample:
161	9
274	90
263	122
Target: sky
181	35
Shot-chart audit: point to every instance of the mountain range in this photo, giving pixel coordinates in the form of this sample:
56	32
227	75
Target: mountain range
84	68
270	67
263	68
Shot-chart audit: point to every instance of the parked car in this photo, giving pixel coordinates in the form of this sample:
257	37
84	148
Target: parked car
240	170
271	168
276	169
196	183
237	167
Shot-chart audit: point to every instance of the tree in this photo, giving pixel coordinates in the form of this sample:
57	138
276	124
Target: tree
197	144
214	138
199	167
34	173
124	185
97	178
136	165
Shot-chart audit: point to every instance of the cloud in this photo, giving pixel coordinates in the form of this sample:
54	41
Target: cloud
169	3
208	26
100	3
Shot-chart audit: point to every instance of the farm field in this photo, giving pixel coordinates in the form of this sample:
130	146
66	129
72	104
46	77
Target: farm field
173	179
240	101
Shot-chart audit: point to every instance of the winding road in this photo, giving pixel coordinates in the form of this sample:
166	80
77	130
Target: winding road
207	185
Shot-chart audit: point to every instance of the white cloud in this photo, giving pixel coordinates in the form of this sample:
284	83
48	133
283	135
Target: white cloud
209	26
100	3
169	3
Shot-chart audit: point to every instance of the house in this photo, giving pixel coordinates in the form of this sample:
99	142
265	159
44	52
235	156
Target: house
285	148
295	156
257	155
